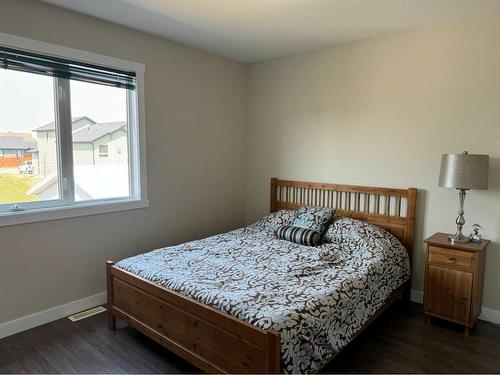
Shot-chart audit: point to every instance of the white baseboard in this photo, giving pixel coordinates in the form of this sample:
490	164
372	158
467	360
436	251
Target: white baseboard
490	315
49	315
417	296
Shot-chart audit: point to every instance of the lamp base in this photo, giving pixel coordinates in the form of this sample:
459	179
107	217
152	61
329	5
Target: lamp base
458	238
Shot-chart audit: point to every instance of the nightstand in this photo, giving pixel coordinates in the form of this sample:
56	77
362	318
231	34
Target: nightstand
454	280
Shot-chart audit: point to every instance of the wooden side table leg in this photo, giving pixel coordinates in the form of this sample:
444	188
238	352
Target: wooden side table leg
427	319
466	330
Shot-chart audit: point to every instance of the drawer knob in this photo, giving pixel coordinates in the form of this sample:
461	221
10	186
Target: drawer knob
452	259
464	299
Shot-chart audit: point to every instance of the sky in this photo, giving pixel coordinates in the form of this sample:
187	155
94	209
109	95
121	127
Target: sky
27	101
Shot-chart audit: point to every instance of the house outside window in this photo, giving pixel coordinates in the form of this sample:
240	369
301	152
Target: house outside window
61	160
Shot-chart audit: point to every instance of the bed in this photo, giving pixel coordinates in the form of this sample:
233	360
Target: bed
247	302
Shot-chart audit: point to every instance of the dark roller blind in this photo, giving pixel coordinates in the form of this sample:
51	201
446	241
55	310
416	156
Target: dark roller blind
36	63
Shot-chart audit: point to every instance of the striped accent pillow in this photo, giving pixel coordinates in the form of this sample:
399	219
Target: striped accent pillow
302	236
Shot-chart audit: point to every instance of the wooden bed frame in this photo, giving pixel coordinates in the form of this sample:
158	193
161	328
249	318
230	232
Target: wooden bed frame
215	341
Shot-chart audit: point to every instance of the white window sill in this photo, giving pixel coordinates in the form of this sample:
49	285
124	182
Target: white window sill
75	210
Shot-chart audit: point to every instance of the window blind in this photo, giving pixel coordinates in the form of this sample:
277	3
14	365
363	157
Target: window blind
30	62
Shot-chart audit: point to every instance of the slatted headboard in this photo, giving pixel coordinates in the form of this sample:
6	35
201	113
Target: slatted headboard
391	209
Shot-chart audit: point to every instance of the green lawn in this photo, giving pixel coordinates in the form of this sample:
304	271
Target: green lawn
13	188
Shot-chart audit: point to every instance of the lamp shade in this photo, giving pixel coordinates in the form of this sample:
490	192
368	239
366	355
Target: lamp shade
464	171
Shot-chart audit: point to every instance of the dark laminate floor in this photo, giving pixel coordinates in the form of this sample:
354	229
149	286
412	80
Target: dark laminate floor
399	341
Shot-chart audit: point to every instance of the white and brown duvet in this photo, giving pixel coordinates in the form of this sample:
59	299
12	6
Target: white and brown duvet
316	297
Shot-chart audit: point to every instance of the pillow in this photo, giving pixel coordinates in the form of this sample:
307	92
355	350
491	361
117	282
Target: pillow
314	218
340	229
277	219
348	229
302	236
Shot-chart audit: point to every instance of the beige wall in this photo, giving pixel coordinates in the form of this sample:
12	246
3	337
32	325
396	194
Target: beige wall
381	112
195	117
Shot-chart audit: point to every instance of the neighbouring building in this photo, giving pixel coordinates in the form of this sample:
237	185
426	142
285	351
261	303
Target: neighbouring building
15	148
104	143
93	144
100	159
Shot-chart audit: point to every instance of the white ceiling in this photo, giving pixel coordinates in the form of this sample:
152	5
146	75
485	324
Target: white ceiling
255	30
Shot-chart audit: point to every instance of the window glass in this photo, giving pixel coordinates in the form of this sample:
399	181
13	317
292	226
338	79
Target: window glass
28	145
100	141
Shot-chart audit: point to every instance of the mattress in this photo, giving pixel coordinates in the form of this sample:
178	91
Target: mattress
317	298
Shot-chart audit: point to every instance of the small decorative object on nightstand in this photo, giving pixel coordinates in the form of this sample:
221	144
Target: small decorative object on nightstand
454	280
475	236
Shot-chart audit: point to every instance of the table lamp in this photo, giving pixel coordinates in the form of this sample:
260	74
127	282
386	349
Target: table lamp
463	172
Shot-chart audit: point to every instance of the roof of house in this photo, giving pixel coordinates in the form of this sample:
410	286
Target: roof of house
26	136
52	125
15	143
97	131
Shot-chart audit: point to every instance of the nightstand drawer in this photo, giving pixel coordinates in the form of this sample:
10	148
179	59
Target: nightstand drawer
450	257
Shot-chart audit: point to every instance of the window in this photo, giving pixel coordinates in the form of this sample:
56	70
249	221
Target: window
64	119
103	151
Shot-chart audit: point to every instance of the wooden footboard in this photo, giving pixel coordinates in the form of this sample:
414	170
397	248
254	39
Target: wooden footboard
210	339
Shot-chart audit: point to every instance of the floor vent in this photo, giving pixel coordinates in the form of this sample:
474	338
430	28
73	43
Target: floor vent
86	313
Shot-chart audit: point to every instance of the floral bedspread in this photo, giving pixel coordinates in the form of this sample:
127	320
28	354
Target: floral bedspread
316	297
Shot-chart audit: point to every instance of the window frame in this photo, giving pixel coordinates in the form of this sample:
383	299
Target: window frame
63	207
